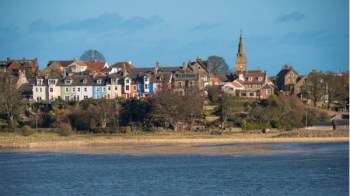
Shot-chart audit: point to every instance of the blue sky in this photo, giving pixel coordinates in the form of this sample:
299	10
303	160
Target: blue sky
307	34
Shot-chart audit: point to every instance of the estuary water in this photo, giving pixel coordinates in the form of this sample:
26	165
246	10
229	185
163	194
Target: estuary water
312	169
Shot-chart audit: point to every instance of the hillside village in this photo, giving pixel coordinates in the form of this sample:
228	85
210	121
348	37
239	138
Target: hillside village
75	80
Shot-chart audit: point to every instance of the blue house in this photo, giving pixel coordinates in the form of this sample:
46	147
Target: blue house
99	88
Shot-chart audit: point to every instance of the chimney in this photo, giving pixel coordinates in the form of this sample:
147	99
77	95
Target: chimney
124	70
184	65
156	69
241	76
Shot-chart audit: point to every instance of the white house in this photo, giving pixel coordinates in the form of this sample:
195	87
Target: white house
54	90
40	90
114	88
232	87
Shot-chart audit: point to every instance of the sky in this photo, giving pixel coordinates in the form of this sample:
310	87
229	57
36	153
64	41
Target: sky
307	34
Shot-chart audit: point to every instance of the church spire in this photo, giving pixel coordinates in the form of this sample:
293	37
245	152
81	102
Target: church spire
241	60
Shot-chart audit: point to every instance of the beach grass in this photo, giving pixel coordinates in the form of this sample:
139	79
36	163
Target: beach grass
49	139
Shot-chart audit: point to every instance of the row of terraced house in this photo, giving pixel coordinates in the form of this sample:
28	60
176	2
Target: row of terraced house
79	80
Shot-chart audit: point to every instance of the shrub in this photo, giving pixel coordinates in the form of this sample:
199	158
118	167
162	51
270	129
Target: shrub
27	131
65	129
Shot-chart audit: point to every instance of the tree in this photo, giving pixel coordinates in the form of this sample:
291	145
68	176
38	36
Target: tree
335	90
227	104
173	108
92	55
10	98
217	65
315	86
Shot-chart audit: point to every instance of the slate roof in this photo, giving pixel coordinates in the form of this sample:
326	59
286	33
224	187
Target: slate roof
63	63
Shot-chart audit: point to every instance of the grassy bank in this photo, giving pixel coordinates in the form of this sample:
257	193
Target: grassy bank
47	140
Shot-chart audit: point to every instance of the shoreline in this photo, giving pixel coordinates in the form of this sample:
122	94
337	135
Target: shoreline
156	144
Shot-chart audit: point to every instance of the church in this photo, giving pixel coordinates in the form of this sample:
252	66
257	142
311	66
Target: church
252	84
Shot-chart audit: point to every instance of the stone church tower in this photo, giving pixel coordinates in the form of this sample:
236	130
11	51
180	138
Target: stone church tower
241	60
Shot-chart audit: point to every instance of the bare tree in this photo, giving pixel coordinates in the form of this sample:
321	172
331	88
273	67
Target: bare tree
10	98
335	90
173	108
217	65
315	86
228	105
92	55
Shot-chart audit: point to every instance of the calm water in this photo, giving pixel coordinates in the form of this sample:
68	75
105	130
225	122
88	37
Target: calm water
316	169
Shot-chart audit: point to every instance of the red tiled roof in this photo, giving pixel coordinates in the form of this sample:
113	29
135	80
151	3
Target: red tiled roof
14	66
255	75
236	84
95	66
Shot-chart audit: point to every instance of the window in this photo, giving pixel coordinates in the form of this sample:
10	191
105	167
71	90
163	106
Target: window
40	89
66	98
146	79
73	89
109	88
78	89
97	89
103	89
51	90
134	87
38	98
146	86
40	81
99	81
66	90
85	97
251	94
36	89
250	79
52	82
127	80
85	81
127	87
85	89
67	81
260	78
179	84
116	88
267	91
258	86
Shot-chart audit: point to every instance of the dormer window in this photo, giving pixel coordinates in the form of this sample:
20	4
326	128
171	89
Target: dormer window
250	79
127	81
99	81
146	79
39	81
52	82
67	81
85	81
260	78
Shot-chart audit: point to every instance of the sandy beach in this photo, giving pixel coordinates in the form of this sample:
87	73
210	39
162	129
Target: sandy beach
154	144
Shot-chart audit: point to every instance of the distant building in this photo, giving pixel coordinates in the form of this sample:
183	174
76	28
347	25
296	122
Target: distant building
241	59
286	79
13	66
